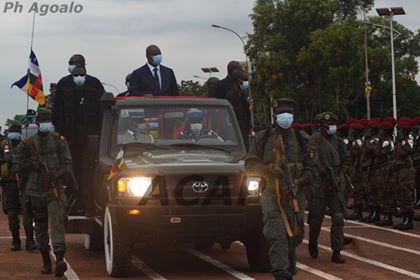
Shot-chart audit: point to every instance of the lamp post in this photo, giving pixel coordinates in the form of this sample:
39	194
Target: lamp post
198	77
391	12
248	62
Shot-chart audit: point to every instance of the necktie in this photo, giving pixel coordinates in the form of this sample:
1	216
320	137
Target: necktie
156	77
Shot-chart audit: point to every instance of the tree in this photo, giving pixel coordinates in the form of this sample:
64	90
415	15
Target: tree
191	88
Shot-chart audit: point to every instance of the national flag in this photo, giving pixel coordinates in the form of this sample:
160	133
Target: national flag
117	165
31	84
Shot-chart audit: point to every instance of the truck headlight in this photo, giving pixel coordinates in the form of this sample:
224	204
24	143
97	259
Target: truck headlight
253	185
136	186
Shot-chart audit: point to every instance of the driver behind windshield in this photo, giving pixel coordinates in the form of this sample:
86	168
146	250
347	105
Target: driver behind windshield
196	128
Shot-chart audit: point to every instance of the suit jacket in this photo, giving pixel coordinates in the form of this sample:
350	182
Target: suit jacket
221	89
142	82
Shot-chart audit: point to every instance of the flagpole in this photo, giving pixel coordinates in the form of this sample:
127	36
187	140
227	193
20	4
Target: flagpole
32	44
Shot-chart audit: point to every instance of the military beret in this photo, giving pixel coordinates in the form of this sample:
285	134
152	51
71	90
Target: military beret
43	114
407	119
391	120
342	126
283	101
387	125
296	125
364	121
327	116
375	123
357	126
15	126
404	124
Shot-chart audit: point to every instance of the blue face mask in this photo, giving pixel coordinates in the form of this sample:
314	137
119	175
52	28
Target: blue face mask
245	85
71	68
284	120
157	59
46	127
14	136
332	129
79	80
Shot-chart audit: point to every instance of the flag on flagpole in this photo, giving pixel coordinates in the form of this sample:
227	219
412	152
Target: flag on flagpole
31	84
118	164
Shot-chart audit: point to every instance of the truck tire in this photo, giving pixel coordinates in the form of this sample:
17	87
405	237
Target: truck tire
117	244
257	248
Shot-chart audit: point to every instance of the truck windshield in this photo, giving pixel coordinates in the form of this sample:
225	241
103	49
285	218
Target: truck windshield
177	125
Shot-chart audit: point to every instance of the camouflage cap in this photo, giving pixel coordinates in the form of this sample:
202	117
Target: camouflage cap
284	101
14	126
326	116
43	114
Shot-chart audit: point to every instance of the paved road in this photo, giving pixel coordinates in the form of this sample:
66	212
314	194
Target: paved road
376	253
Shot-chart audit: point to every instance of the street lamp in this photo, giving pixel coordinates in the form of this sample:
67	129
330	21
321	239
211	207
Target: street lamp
391	12
210	70
248	62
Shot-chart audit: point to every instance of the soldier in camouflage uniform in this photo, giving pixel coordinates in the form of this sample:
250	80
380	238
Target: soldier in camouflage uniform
355	149
383	164
334	162
402	177
416	162
283	227
15	197
44	157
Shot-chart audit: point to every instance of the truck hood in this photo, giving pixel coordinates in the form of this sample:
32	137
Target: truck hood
176	162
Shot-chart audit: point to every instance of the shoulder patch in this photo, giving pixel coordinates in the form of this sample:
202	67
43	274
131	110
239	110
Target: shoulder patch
62	138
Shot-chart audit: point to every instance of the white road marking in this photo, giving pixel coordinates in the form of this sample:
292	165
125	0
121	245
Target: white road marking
70	274
317	272
146	269
411	251
379	228
218	264
307	268
372	262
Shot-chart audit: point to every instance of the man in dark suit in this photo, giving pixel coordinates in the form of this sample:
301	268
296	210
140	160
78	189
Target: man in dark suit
67	83
153	79
224	86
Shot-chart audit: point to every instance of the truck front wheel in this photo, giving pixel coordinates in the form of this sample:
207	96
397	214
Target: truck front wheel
117	244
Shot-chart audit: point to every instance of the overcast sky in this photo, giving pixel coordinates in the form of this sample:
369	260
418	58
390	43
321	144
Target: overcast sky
113	35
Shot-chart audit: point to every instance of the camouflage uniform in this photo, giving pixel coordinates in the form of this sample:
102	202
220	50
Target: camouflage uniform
402	178
260	161
334	158
52	150
14	192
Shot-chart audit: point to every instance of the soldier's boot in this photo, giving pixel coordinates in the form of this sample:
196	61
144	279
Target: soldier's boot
375	217
15	241
369	216
386	221
417	202
30	243
347	240
357	212
313	248
60	265
407	222
46	268
337	257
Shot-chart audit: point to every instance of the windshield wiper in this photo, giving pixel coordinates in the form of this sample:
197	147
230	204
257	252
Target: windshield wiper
194	145
147	145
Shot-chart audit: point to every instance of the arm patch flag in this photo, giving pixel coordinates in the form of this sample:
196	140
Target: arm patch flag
31	84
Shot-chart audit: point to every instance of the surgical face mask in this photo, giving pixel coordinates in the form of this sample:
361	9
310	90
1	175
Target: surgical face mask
196	127
157	59
14	136
245	85
284	120
332	129
71	68
79	80
46	127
